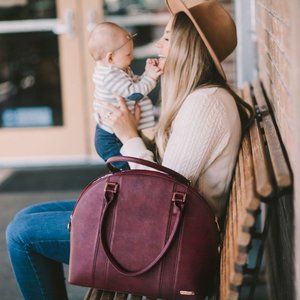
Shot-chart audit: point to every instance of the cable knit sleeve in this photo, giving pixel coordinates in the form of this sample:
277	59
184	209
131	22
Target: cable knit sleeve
193	142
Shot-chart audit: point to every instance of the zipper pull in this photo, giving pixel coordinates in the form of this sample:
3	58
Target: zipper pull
217	223
69	224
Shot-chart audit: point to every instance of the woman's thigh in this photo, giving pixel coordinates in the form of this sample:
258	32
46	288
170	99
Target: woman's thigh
63	205
38	241
42	228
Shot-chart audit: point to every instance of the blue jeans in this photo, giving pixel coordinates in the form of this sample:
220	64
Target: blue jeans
108	145
38	242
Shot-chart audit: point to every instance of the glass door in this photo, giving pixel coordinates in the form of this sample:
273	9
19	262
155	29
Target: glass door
43	114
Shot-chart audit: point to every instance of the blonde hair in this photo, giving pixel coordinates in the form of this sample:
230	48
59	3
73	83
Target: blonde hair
188	67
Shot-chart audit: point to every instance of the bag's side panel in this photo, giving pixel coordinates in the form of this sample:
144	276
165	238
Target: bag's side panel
84	231
197	260
169	265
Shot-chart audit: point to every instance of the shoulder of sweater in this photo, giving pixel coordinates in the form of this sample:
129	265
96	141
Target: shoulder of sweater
214	98
209	98
205	105
207	94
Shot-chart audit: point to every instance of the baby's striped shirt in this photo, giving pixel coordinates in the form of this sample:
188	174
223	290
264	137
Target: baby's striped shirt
110	81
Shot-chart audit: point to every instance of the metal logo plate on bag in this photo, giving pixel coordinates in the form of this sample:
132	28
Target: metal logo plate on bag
187	293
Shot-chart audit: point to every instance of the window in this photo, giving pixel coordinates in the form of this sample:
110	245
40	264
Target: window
30	91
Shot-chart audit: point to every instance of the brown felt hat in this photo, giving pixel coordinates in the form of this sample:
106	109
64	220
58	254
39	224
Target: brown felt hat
214	24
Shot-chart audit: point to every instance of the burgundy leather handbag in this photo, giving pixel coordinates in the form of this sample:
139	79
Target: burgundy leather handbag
144	232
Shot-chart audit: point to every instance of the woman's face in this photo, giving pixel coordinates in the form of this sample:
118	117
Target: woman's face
163	45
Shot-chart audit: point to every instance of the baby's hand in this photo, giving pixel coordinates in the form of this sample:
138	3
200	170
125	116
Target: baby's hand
152	69
150	62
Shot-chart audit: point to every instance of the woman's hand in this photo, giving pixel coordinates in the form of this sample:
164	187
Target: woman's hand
121	120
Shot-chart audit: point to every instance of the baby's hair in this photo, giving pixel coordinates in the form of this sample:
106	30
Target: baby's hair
101	39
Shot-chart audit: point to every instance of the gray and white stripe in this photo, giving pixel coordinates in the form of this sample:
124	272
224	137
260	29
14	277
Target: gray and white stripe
110	81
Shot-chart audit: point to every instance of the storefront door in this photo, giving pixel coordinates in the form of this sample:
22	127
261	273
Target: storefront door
44	114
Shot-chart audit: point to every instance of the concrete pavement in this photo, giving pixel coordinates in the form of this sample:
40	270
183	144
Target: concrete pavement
22	187
9	205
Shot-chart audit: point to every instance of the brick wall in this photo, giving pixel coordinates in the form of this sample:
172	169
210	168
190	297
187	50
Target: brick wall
275	62
295	10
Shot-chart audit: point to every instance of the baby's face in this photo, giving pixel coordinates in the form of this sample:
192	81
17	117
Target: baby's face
122	57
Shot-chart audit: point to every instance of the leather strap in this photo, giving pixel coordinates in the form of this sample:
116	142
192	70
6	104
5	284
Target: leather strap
109	198
146	163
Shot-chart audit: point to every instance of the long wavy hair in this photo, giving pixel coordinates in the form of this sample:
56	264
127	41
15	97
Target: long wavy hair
189	66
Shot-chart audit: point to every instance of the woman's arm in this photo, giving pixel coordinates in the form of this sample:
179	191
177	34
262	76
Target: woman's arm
136	147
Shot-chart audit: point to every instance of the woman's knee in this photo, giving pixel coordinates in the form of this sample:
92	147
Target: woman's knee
28	210
16	232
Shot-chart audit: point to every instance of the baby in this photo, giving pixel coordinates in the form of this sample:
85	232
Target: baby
111	47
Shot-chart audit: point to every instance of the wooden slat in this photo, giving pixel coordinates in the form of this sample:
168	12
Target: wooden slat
229	276
263	181
93	294
120	296
227	263
222	271
224	265
251	200
231	244
247	220
107	295
234	255
234	229
232	295
281	171
243	238
135	297
240	254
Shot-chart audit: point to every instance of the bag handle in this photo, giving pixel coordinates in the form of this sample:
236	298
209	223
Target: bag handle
110	196
146	163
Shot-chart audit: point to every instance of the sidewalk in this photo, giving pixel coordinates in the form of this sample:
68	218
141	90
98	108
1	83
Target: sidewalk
30	186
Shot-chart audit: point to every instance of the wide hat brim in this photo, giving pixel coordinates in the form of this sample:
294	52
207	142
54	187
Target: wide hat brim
214	25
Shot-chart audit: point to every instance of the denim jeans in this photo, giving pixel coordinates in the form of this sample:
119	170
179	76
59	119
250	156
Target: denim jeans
38	242
108	145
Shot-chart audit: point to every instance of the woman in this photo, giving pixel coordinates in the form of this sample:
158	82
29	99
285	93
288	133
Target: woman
198	135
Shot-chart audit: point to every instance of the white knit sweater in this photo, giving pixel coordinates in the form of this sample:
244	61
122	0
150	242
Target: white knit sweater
203	144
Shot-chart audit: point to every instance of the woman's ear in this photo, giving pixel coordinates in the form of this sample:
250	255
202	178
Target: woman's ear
109	57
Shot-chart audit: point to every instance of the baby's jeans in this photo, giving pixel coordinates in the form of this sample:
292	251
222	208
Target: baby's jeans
38	242
107	145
